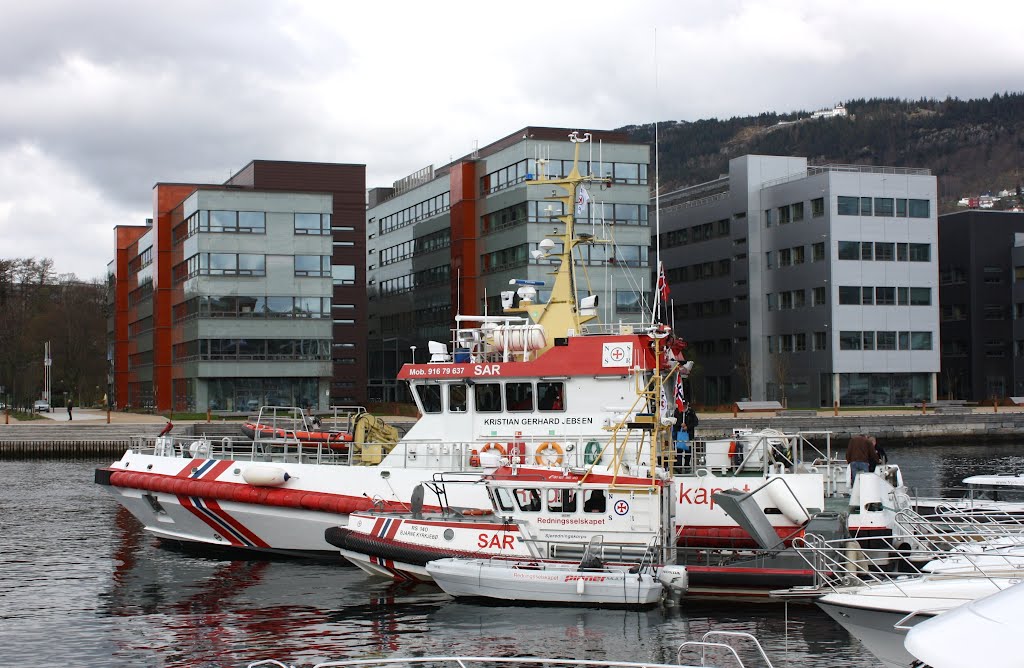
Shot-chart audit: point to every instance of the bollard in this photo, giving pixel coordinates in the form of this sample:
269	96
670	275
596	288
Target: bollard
924	408
835	409
7	416
208	415
735	410
995	404
108	416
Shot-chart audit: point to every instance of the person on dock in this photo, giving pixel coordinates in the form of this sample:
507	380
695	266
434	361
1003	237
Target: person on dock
69	410
860	455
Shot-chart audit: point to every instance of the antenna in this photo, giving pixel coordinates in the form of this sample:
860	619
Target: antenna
657	181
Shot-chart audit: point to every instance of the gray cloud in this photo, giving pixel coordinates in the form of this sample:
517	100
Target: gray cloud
103	99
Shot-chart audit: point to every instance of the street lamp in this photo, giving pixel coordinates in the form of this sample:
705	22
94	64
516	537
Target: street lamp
413	349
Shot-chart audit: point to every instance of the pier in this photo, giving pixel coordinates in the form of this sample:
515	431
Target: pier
94	438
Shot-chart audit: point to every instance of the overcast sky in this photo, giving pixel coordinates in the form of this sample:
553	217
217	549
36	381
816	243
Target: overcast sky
100	99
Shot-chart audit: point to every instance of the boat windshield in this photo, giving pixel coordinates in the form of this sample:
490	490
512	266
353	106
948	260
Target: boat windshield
997	493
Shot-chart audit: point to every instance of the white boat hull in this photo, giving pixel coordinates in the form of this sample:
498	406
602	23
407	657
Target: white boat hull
544	582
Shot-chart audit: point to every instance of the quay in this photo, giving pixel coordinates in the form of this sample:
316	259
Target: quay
90	435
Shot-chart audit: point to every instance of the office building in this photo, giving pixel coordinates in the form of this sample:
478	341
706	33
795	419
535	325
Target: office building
981	292
448	240
806	284
244	294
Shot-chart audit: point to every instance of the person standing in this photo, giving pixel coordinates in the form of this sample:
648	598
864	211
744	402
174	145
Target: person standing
69	410
860	455
690	420
880	455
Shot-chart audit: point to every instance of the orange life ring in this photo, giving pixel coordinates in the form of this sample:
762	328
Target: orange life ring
544	447
497	446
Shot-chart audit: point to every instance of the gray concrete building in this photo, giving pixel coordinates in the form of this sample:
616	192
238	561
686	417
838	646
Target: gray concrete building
806	284
448	240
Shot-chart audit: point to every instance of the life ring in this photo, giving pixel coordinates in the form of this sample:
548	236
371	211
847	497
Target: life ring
592	453
543	448
497	446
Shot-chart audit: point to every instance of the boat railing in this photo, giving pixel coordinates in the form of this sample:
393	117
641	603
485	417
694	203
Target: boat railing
711	646
846	562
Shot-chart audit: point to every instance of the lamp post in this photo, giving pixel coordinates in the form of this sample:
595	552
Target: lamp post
413	349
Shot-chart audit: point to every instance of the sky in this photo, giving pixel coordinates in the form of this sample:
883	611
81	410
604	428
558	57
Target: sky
100	100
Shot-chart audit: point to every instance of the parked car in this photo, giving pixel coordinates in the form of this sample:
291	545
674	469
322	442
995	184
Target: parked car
41	406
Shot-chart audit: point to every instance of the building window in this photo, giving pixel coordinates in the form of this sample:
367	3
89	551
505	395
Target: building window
919	208
848	206
849	295
785	300
818	296
867	296
867	251
800	342
922	340
884	206
313	265
868	341
849	340
865	206
885	252
821	340
885	296
849	250
885	340
768	260
798	255
901	208
798	212
312	223
920	296
783	215
920	253
799	298
818	251
343	274
768	222
785	257
818	207
771	300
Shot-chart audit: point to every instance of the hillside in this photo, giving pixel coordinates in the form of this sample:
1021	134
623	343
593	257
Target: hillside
972	146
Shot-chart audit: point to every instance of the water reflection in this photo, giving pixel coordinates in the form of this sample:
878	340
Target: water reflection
78	568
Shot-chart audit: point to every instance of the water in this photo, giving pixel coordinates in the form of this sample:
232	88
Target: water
82	585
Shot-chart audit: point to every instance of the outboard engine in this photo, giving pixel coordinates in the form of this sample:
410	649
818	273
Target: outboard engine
676	581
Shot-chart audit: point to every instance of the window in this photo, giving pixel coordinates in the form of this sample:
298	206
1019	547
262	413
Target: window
818	252
800	342
551	397
799	298
884	206
868	341
818	207
867	251
901	208
904	340
343	274
920	252
885	296
920	340
919	208
313	265
771	300
519	397
798	212
901	252
849	294
848	206
487	397
920	296
994	312
821	340
312	223
768	218
768	260
885	340
785	257
785	300
798	255
786	343
818	296
867	296
903	296
561	500
457	398
849	250
783	215
885	252
865	206
849	340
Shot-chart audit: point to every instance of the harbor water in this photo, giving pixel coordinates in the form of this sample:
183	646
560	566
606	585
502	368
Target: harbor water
82	585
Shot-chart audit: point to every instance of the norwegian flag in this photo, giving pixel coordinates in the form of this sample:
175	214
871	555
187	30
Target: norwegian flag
680	398
663	290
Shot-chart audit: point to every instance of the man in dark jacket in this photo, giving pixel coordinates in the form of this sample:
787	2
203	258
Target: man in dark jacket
860	455
690	420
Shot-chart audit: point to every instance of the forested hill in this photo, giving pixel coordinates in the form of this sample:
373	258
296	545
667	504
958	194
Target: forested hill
972	146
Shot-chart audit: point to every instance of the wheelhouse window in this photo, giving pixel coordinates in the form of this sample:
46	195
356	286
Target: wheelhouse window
552	396
430	398
594	501
519	397
561	500
457	398
528	499
487	397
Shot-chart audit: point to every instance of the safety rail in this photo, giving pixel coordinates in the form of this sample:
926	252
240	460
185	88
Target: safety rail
847	562
707	646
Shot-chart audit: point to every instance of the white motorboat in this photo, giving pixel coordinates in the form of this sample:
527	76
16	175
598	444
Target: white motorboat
978	633
589	582
992	495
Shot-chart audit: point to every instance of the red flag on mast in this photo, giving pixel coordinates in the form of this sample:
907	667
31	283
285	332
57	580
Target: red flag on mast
663	289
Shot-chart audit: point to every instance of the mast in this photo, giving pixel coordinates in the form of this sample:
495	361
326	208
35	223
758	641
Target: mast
562	315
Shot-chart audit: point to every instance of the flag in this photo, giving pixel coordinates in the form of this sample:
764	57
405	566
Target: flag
680	399
582	199
664	401
663	290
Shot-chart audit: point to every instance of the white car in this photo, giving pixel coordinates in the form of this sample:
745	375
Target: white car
41	406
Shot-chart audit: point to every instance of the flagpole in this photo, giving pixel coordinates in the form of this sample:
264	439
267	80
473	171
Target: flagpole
657	176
